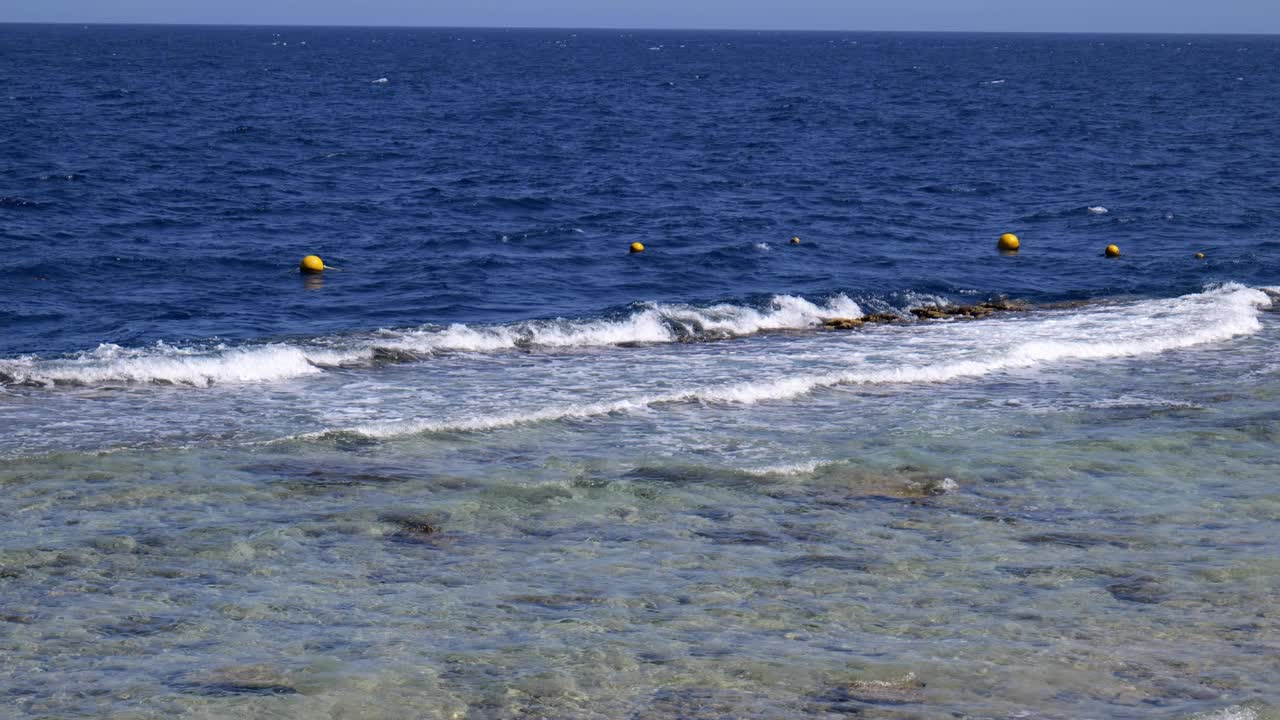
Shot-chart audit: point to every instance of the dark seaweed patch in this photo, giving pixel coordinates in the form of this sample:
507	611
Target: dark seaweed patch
138	626
732	536
1026	572
833	562
559	601
225	689
713	513
325	477
1076	540
696	704
1142	590
237	680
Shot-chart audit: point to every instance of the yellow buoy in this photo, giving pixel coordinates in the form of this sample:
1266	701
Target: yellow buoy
637	247
311	264
1199	256
1112	251
1008	243
795	241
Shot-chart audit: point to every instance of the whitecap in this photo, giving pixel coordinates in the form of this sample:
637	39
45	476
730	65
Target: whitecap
207	365
785	469
651	323
971	350
162	363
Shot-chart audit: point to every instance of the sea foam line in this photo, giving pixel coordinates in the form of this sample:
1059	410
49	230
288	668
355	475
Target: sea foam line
168	364
1137	329
204	366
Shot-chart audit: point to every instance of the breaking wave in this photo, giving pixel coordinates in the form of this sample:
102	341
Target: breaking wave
966	350
203	366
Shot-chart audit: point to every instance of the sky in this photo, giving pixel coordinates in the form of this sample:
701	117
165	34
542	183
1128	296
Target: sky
1160	16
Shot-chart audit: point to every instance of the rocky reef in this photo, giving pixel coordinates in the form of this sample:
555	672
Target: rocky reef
930	312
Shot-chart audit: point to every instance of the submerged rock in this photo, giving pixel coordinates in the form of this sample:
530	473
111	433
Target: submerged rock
736	536
238	680
938	312
1075	539
895	691
931	312
1145	590
418	524
843	323
558	601
322	478
904	482
395	356
830	562
414	526
697	703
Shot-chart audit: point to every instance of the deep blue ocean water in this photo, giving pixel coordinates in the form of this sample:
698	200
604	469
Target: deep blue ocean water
159	183
493	465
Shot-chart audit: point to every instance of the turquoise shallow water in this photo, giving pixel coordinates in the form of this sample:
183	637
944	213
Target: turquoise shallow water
1076	538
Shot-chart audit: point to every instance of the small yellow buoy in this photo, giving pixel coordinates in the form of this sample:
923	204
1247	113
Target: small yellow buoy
795	240
1008	243
1199	256
311	264
637	247
1112	251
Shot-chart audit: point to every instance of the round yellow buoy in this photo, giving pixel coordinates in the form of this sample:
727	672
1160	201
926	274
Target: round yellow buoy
1199	256
311	264
637	247
795	240
1112	251
1008	243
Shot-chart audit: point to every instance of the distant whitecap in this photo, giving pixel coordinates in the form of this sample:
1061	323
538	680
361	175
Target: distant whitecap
1098	210
380	81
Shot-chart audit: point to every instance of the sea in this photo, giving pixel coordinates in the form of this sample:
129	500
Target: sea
491	464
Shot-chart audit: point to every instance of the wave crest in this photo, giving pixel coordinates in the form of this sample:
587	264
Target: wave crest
204	366
1103	332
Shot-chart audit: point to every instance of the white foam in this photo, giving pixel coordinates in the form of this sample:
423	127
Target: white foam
220	364
1143	328
787	469
163	363
964	350
1097	210
491	422
1234	712
1136	401
940	353
653	323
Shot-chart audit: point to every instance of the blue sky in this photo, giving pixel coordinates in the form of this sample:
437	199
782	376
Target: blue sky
1253	16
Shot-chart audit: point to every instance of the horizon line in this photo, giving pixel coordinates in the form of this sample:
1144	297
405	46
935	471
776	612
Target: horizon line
629	28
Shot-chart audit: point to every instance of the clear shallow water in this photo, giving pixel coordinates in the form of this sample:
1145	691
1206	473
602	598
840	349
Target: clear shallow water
499	468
